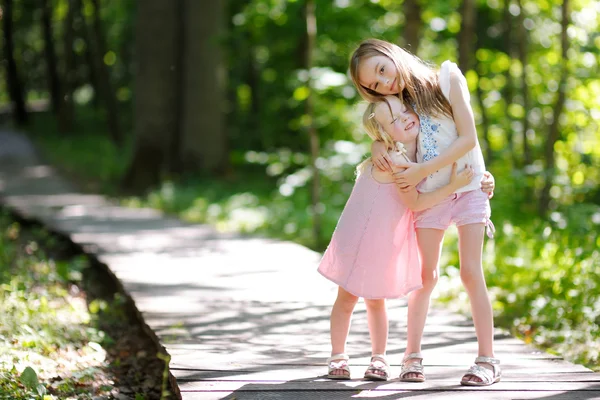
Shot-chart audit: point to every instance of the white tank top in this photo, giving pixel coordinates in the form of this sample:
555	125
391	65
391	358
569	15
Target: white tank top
437	133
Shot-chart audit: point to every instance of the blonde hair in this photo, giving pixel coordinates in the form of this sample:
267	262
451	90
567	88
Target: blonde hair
375	130
421	83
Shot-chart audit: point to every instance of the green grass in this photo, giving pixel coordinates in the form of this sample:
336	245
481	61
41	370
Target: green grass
50	346
544	275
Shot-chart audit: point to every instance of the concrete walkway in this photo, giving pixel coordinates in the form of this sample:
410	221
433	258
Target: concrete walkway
248	318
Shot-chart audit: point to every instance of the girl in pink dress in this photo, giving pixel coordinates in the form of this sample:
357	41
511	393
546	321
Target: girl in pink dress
373	251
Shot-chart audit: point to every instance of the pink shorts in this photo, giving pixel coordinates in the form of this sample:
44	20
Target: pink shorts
472	207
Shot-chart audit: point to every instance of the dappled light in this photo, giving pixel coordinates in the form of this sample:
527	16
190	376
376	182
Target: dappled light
203	151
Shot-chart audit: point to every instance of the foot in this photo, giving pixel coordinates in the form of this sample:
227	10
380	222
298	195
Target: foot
412	368
337	367
474	378
485	372
378	368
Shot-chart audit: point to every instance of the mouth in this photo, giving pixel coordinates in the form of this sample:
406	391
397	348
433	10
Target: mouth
392	86
409	126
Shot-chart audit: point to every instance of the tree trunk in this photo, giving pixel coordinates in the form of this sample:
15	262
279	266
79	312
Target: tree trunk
508	87
554	133
522	49
155	93
51	64
65	119
203	137
466	35
92	68
412	25
485	125
15	86
311	37
106	88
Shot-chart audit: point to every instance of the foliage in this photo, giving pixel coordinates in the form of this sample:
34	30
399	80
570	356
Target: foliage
73	153
46	327
543	272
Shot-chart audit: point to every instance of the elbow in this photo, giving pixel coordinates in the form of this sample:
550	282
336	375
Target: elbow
471	142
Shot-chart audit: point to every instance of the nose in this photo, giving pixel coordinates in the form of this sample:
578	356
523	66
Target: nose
384	80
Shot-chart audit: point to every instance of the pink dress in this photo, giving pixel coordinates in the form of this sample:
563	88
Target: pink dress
373	250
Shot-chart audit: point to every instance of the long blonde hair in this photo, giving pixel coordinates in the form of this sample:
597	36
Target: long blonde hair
421	83
375	130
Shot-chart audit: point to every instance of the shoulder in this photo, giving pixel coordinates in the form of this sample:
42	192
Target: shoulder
452	79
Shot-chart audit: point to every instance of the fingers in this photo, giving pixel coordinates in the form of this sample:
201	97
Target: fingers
388	163
378	164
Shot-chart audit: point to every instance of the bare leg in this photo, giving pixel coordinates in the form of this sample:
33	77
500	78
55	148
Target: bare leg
341	314
430	247
378	327
471	273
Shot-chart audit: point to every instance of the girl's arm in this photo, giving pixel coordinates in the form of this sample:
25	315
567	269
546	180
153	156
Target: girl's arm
421	201
380	157
467	136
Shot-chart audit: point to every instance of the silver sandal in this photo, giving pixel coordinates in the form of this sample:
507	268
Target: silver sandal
338	362
415	367
378	364
488	377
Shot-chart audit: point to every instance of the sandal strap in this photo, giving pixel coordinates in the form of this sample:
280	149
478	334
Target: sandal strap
379	357
487	360
486	375
411	356
338	357
415	367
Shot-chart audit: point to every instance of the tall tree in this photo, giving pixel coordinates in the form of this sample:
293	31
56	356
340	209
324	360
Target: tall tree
15	85
155	96
522	50
311	37
508	87
50	55
66	110
554	130
485	124
466	36
203	137
107	92
412	25
92	68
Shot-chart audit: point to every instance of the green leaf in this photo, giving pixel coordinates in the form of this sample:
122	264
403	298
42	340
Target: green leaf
29	378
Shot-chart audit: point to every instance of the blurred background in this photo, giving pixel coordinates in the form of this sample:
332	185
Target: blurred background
241	114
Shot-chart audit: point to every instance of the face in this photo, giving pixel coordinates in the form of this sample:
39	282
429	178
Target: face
379	74
402	123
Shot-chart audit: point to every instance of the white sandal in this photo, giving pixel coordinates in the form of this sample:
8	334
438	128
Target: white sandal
415	367
338	362
488	377
378	364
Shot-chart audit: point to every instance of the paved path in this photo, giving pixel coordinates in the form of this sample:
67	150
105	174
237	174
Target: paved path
247	318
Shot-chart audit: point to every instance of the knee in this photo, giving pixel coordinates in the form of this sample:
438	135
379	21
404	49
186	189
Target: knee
375	305
470	275
430	279
346	302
